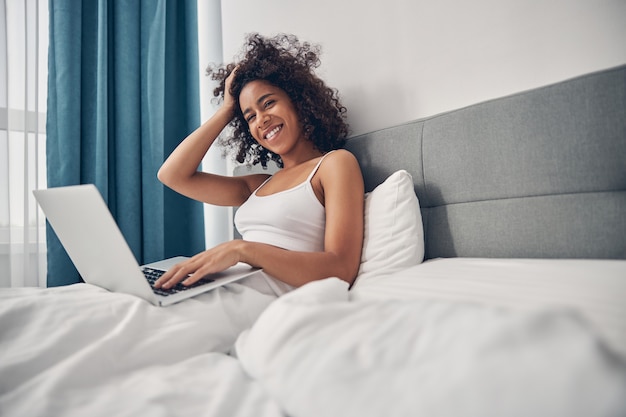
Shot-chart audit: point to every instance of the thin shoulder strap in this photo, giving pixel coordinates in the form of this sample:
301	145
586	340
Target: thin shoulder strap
317	166
262	184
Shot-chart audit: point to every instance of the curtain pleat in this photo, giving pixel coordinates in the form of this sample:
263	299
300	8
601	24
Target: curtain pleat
123	91
22	142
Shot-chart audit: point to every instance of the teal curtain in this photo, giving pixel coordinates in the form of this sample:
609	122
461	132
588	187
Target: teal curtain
123	90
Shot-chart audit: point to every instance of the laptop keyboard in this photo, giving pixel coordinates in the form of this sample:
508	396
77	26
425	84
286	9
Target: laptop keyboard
152	275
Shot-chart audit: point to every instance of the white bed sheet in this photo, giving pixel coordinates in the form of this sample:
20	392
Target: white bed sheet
450	337
83	351
322	351
595	289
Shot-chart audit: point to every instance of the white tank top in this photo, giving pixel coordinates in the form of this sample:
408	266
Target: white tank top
292	219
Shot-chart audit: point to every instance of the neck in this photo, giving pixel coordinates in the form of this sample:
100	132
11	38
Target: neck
301	156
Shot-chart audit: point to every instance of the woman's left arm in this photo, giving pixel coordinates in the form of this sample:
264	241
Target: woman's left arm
342	184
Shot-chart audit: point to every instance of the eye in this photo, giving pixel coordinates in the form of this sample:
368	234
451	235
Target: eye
269	103
250	118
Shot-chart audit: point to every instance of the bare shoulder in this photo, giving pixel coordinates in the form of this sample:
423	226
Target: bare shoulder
341	159
340	169
342	154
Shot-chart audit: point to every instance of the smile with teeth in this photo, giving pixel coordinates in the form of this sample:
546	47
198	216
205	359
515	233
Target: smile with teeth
273	132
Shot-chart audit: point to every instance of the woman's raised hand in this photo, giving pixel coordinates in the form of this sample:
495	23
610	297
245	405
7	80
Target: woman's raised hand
229	100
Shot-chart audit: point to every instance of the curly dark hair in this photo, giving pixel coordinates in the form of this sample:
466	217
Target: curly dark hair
288	64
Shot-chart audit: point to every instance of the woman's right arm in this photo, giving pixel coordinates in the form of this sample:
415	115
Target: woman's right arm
180	171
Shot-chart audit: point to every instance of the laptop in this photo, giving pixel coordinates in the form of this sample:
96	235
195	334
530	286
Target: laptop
84	225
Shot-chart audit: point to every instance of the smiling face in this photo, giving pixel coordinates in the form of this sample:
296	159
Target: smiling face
272	118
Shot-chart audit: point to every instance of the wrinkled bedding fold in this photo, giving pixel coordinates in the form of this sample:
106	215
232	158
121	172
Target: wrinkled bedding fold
444	338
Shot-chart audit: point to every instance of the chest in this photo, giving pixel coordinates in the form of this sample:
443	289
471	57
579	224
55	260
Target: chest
292	219
292	178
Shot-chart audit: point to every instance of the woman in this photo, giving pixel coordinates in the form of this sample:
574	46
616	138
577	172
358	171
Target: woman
306	221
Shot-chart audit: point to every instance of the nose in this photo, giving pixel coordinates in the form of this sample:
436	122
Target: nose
265	119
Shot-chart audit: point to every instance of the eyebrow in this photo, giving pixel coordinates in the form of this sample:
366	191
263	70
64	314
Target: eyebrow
259	101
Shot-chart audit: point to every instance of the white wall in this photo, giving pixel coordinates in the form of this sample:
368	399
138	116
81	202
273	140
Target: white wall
399	60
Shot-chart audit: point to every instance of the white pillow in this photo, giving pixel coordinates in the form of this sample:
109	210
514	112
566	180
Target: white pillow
393	233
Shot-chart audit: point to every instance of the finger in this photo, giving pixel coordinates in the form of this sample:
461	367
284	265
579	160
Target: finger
196	276
229	79
233	73
180	275
165	277
173	276
188	271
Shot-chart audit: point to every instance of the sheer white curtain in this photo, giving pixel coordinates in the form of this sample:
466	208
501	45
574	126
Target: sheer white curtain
23	89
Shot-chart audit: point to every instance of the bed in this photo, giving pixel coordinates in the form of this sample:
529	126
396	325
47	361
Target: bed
492	283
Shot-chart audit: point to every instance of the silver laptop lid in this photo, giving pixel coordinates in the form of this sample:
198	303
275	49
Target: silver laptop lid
96	246
92	239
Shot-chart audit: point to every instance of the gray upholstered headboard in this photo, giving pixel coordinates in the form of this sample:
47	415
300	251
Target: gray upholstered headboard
540	174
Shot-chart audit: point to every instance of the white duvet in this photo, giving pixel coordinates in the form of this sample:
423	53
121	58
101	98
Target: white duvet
319	355
82	351
319	351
